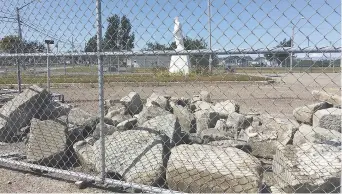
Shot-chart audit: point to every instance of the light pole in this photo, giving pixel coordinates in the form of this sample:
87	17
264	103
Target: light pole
48	42
209	15
20	41
292	42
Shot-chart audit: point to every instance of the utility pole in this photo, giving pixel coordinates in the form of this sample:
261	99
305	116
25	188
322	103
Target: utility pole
209	15
19	46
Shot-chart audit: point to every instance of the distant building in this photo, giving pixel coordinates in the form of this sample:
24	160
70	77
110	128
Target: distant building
241	61
149	61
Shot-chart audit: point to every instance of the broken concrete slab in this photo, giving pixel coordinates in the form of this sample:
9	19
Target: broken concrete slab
135	155
167	125
211	169
309	134
18	112
133	103
47	142
308	168
227	107
328	118
186	118
158	100
304	114
205	119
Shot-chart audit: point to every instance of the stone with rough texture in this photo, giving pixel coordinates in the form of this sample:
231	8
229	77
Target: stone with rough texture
238	122
18	112
120	118
205	119
167	125
186	118
53	110
212	169
213	134
227	107
78	116
307	133
326	97
127	124
107	129
150	112
182	101
304	114
205	96
133	103
308	168
242	145
47	142
201	105
135	155
274	131
328	118
116	111
158	100
85	154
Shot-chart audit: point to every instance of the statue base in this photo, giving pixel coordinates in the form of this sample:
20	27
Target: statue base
179	64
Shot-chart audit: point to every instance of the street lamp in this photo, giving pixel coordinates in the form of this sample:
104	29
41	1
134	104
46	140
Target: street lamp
292	42
20	41
48	42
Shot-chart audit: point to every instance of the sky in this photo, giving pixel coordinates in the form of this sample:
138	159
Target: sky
234	23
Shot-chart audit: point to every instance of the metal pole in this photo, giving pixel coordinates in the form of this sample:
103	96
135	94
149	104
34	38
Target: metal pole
101	92
48	68
209	14
20	40
292	39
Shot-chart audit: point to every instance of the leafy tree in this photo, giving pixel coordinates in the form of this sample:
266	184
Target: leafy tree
12	44
117	36
280	58
91	45
155	46
126	37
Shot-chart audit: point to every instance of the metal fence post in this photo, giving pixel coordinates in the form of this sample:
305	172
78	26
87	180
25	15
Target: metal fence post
100	82
48	67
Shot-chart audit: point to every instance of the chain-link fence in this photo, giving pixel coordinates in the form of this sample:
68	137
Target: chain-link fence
202	96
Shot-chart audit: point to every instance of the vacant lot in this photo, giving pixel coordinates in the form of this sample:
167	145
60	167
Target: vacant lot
278	99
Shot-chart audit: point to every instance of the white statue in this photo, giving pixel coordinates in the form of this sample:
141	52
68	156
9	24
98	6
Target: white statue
178	34
179	63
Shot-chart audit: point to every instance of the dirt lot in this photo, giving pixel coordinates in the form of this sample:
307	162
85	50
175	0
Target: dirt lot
279	99
289	91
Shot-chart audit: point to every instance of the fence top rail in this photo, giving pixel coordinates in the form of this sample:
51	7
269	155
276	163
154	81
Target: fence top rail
185	52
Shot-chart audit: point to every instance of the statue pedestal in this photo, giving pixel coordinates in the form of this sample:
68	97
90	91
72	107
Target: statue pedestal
179	64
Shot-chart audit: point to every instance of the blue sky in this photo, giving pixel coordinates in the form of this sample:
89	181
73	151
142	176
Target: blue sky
235	24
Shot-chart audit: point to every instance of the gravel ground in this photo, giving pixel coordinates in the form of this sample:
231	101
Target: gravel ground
278	99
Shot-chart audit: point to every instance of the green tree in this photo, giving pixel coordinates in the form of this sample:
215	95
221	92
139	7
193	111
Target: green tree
12	44
280	58
91	45
118	35
155	46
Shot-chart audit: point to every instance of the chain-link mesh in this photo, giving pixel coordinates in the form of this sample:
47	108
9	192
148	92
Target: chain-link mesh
202	96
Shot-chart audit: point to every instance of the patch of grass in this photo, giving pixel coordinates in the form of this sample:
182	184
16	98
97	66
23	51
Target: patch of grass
134	78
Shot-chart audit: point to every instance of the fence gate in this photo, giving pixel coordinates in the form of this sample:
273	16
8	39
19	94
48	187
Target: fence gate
202	96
